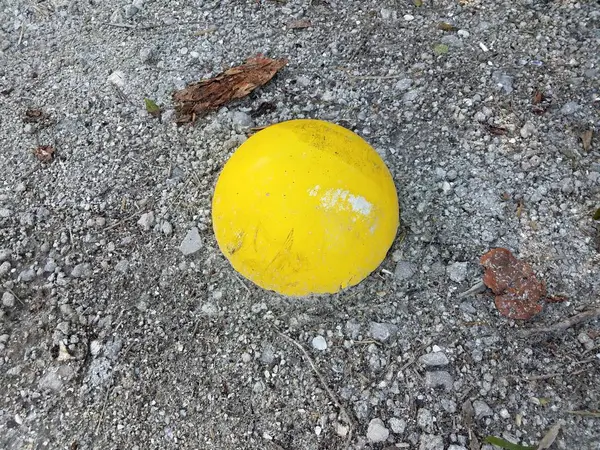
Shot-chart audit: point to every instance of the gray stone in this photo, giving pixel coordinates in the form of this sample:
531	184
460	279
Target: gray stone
4	254
431	442
166	228
8	300
27	275
503	81
397	425
388	14
457	271
63	327
434	359
456	447
4	268
147	54
382	331
131	11
527	130
377	432
241	119
268	355
452	41
319	343
50	381
585	339
191	242
83	270
146	221
410	96
122	266
451	175
50	266
439	378
352	329
425	420
481	409
570	108
210	309
405	270
5	213
403	84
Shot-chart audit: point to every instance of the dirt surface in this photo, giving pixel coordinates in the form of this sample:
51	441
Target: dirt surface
112	338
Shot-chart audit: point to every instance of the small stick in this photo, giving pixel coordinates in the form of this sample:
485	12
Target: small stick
102	412
115	225
475	289
568	323
332	396
15	296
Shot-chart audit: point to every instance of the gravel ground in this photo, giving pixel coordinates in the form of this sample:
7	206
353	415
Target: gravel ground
114	335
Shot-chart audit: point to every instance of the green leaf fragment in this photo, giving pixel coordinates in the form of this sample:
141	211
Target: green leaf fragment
445	26
597	214
152	108
440	49
503	443
418	3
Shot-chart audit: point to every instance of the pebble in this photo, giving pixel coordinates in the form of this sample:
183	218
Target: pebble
463	33
456	447
241	119
8	300
63	327
585	339
246	357
166	228
457	271
146	221
434	359
388	14
147	54
4	254
210	309
122	266
319	343
570	108
404	84
382	331
191	242
377	432
405	270
27	275
452	41
481	409
410	96
408	17
117	78
425	419
95	347
452	175
5	213
397	425
431	442
527	130
503	81
194	54
4	268
439	378
352	329
82	270
131	11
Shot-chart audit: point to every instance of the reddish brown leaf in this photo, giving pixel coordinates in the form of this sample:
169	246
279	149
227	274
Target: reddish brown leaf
541	103
299	24
237	82
44	153
586	139
33	115
537	98
518	291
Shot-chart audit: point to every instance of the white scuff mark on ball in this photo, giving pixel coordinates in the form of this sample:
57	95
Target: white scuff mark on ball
314	191
333	197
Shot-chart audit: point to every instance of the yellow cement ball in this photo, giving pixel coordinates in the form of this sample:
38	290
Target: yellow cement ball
305	207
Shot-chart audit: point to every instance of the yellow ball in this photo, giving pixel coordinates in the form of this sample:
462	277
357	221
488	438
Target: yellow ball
305	207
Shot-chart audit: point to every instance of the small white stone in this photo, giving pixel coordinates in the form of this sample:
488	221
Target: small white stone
408	17
95	347
146	221
377	432
483	47
341	430
319	343
191	242
397	425
246	357
117	78
194	55
8	300
463	33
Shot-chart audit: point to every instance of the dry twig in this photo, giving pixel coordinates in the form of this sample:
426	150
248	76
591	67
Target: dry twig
349	419
565	324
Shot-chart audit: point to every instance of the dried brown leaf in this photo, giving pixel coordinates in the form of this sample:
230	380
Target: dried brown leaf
498	131
44	153
537	98
586	139
300	24
445	26
33	115
518	291
237	82
549	437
